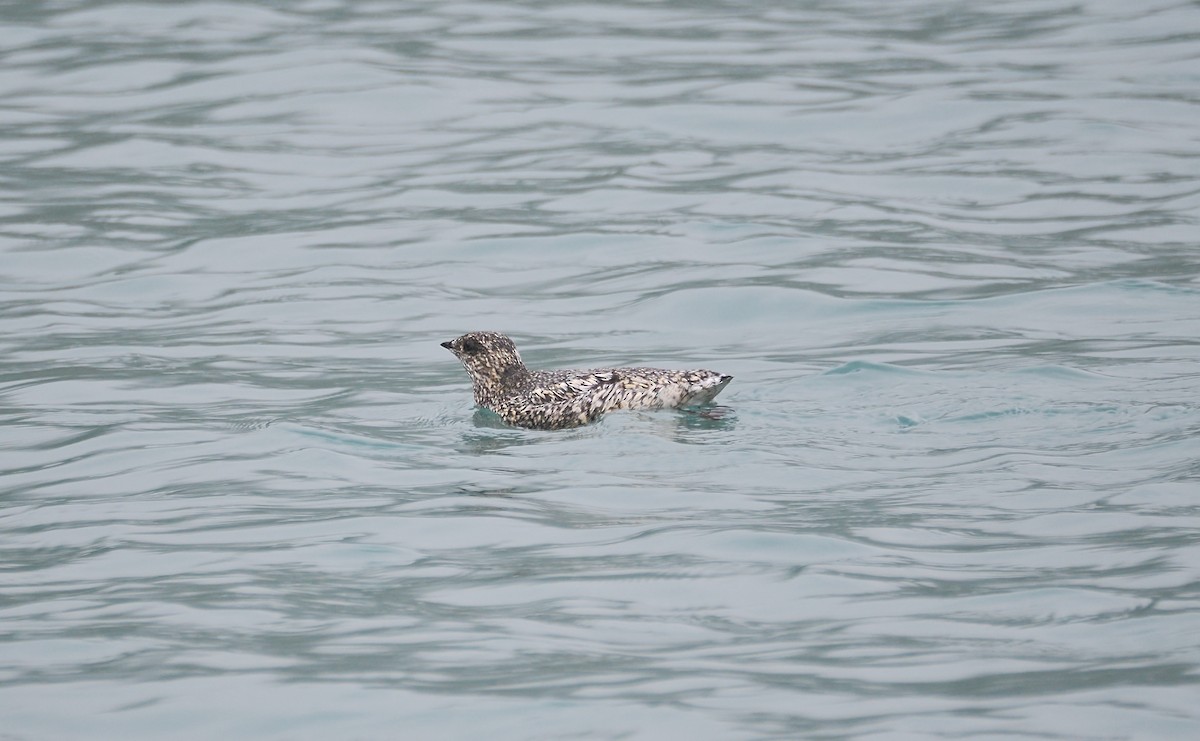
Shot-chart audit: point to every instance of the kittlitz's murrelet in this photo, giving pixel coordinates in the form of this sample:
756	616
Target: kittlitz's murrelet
553	400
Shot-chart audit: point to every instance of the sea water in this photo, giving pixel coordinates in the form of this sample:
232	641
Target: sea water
947	250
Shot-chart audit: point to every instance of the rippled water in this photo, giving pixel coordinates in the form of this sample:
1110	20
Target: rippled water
947	249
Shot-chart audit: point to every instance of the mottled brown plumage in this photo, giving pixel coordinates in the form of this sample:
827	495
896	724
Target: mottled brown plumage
552	400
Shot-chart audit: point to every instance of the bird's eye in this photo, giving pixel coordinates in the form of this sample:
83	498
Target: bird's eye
472	346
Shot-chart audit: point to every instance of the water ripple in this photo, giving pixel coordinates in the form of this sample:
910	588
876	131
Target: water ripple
947	251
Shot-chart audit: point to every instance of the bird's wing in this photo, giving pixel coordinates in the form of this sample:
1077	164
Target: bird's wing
567	388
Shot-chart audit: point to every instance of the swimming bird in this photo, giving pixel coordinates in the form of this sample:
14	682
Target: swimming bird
554	400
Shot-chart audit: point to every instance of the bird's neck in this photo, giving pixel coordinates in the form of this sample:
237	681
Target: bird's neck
489	386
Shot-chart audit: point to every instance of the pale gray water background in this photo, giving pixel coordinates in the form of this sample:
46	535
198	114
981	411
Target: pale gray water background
948	249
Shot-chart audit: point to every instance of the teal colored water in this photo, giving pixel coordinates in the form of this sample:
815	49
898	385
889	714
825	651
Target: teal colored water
948	251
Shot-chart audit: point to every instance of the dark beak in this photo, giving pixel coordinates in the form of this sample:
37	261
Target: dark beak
449	346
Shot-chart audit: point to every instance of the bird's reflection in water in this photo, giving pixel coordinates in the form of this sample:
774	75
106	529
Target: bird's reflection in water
492	434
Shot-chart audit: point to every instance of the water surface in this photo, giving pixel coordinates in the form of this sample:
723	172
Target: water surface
947	250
